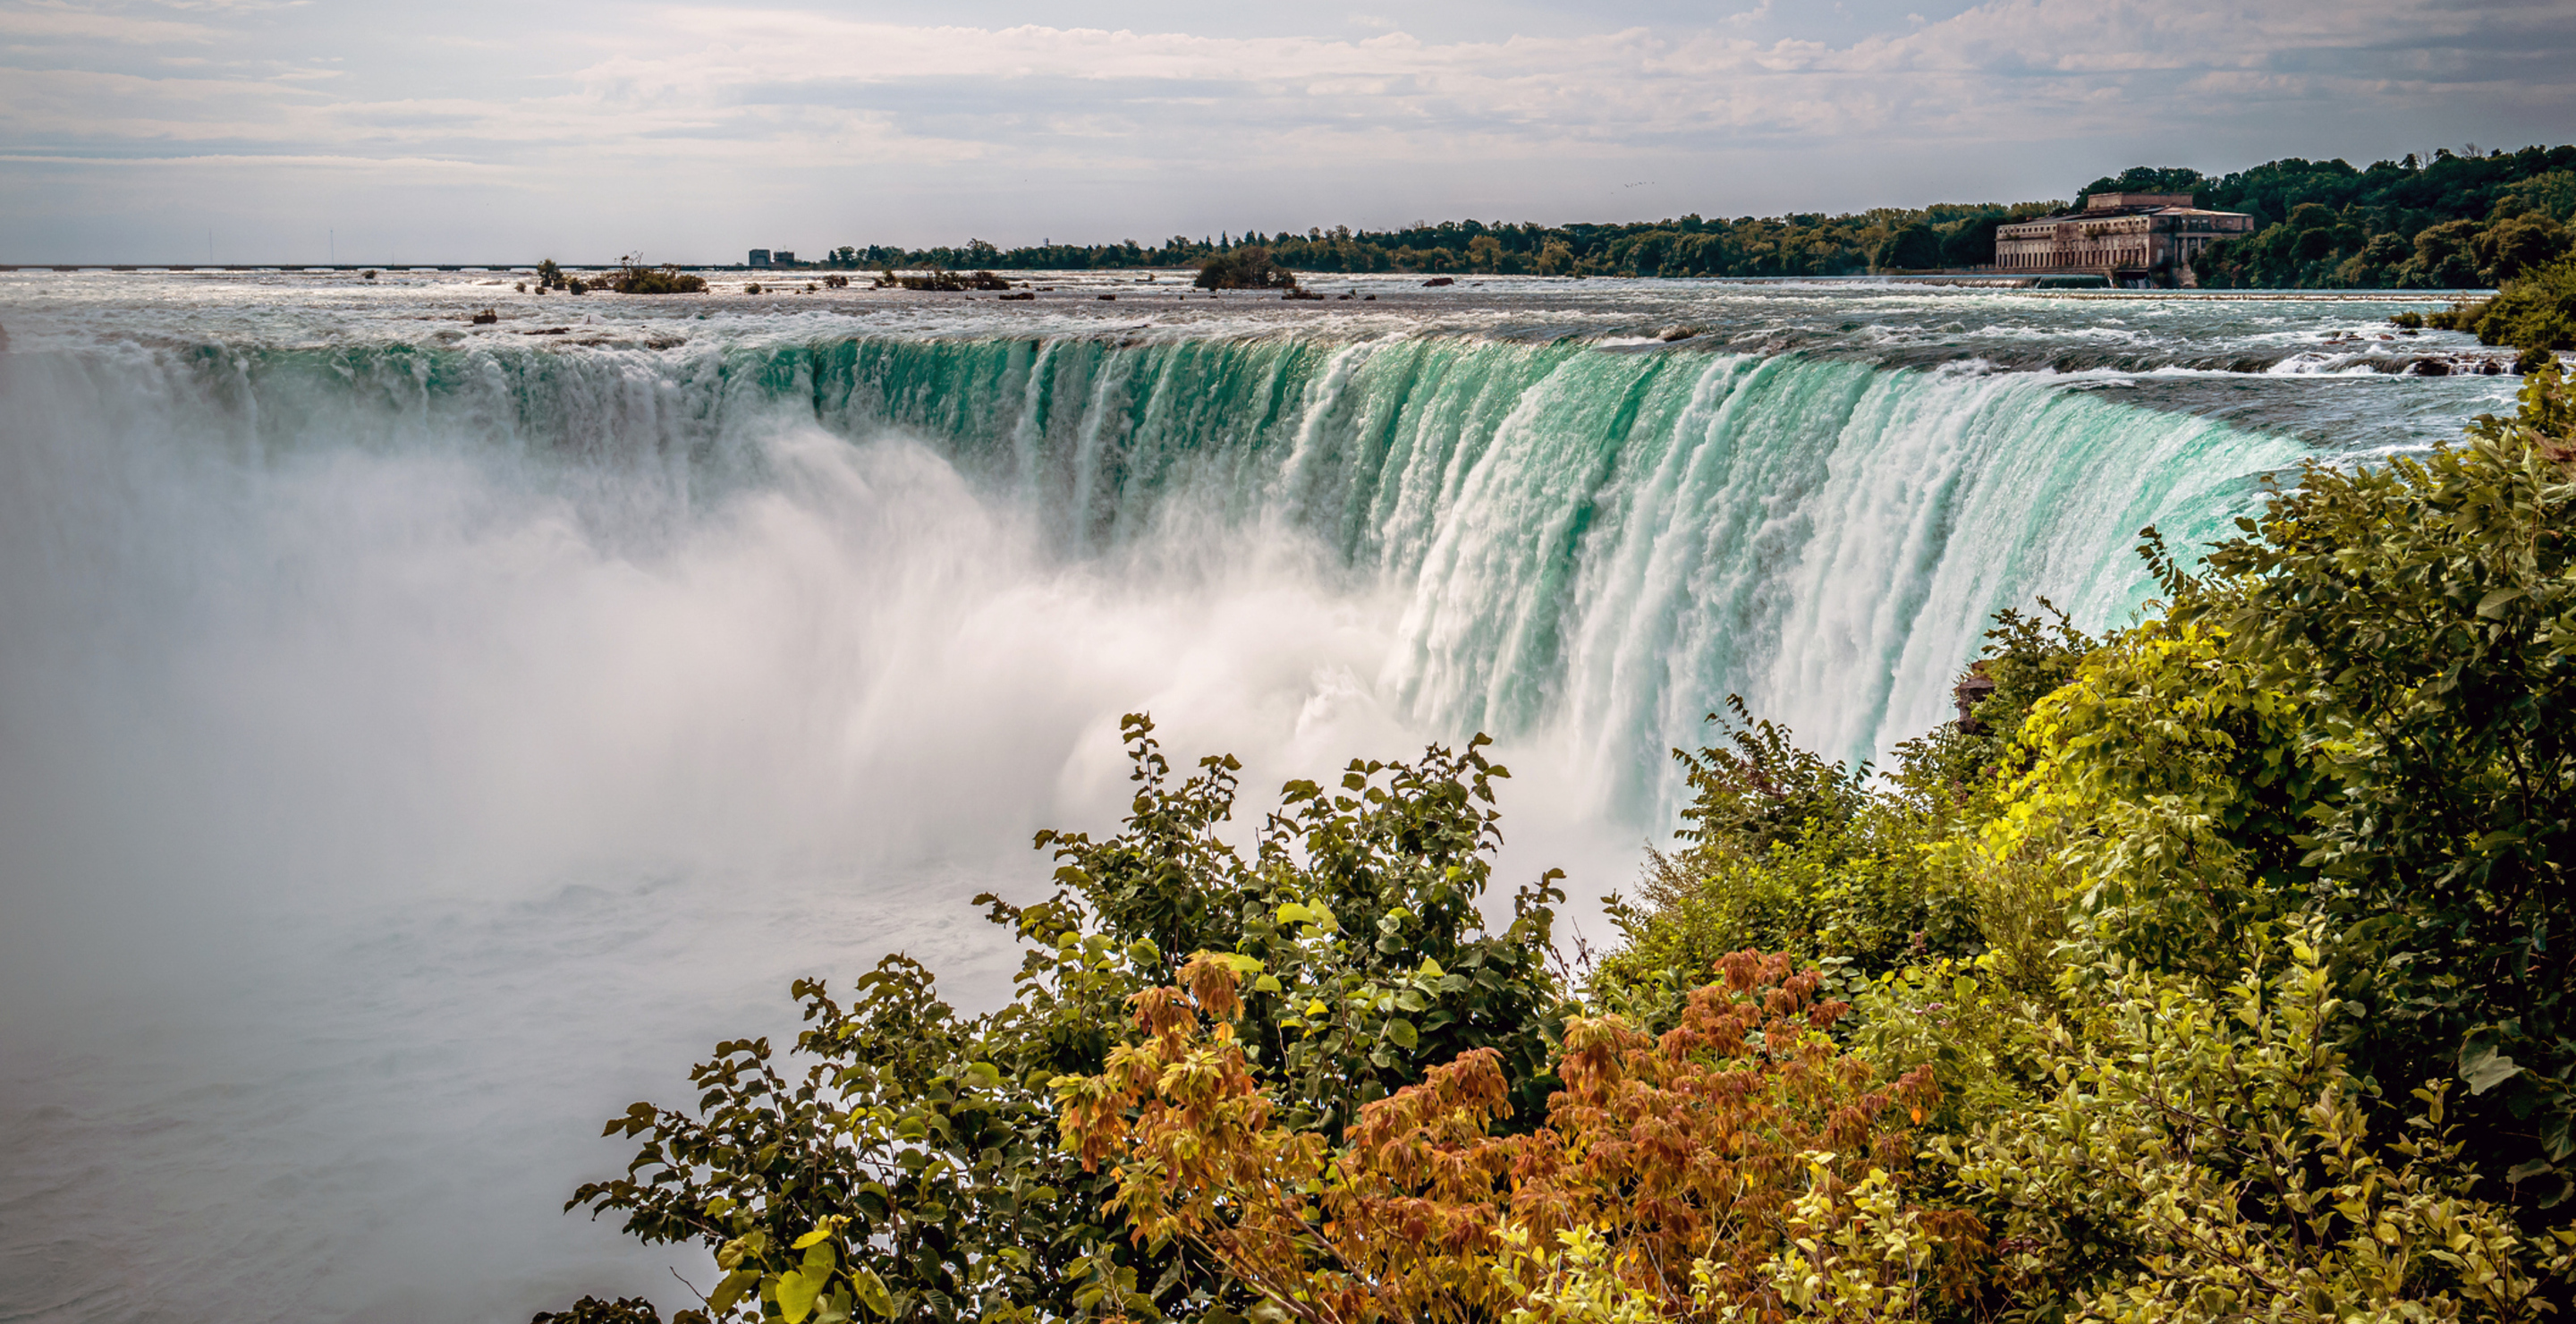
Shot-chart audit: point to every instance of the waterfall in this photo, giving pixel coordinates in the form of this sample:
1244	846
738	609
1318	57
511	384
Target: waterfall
1598	543
411	754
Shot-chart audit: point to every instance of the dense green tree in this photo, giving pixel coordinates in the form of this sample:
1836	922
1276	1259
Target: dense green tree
904	1155
2148	179
2536	313
2515	245
2364	709
2396	224
1245	269
1911	248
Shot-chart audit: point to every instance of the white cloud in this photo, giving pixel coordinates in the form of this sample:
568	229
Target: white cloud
740	99
218	160
59	22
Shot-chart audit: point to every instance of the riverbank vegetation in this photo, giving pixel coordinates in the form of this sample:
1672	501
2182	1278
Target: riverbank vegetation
1797	245
940	279
650	280
1245	269
2535	313
2209	970
2457	220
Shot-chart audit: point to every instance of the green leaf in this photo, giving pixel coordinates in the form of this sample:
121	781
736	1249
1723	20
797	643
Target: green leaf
796	1292
2493	604
1402	1033
810	1238
731	1289
872	1291
2487	1070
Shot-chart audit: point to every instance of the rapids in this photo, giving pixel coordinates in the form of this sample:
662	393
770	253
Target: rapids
419	739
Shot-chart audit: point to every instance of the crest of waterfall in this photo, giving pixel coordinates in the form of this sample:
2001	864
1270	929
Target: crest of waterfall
1595	545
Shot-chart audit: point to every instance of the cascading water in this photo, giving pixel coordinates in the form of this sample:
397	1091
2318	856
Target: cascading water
414	746
1603	541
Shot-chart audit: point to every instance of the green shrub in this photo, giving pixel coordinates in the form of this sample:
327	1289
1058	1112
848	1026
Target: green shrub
652	280
2360	709
950	281
1838	894
2207	1155
1783	851
907	1157
1245	269
2535	313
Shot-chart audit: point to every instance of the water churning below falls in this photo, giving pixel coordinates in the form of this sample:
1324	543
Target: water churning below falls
418	740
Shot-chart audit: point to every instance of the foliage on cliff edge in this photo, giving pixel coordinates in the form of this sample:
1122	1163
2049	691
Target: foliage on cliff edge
2215	975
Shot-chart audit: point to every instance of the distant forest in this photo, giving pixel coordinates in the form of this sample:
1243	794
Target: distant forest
2461	219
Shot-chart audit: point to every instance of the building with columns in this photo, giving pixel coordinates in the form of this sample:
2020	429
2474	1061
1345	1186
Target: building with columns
2129	237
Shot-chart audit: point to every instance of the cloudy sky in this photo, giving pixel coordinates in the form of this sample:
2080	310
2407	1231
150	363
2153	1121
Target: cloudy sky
475	130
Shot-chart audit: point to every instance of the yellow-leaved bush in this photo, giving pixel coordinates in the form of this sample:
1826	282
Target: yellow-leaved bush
2204	1157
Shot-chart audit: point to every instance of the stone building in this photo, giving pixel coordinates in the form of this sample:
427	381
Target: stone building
2125	236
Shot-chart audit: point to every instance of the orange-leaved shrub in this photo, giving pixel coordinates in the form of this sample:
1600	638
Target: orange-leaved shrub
1712	1166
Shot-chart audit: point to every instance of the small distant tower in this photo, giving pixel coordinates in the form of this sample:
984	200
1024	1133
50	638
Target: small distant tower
760	257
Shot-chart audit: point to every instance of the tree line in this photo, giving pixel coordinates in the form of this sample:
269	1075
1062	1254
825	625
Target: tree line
1797	245
2453	220
2457	220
